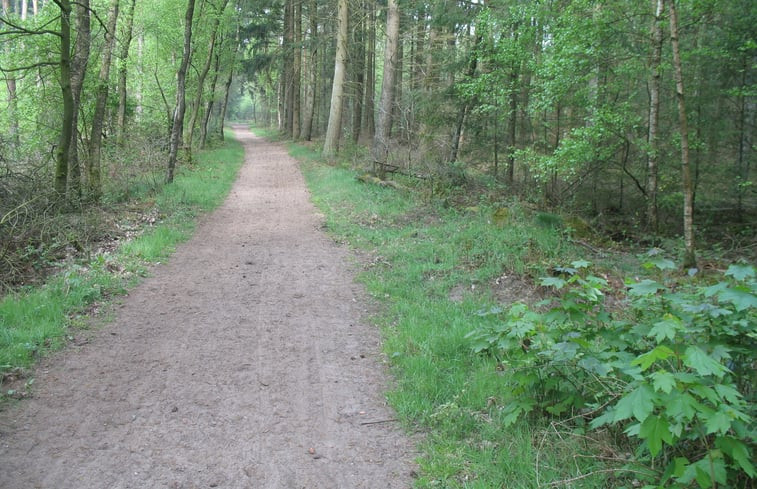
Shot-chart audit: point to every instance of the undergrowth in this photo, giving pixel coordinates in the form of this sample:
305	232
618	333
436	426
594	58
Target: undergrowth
511	392
35	319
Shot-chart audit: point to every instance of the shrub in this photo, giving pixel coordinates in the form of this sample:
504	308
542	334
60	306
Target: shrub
672	368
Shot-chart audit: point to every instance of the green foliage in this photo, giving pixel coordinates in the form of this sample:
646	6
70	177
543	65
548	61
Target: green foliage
671	366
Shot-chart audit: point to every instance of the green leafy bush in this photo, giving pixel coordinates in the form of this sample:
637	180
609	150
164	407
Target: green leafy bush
671	366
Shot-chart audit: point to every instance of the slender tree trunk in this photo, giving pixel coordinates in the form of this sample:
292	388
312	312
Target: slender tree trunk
512	123
286	87
94	182
359	74
306	131
189	137
369	109
380	149
689	260
334	128
64	142
458	134
79	65
297	69
10	83
122	72
178	114
211	102
654	116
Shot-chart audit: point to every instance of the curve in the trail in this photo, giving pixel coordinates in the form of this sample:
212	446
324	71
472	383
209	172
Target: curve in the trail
241	363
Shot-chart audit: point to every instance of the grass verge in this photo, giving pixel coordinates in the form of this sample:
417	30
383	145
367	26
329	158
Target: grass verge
37	319
434	268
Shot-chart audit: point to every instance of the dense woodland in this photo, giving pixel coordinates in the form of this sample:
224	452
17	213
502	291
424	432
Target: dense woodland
638	116
630	120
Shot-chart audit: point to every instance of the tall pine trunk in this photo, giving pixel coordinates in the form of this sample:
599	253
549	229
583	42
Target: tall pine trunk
334	128
380	149
306	131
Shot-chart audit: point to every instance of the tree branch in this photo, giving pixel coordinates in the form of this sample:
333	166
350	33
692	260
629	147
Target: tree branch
18	29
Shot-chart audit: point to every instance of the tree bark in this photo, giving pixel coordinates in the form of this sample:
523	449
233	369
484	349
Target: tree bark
458	134
178	114
78	72
369	108
296	69
654	116
122	72
64	142
380	149
94	182
689	259
306	131
10	83
358	73
334	128
211	102
189	137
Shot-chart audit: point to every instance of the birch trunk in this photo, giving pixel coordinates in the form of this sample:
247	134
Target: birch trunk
689	259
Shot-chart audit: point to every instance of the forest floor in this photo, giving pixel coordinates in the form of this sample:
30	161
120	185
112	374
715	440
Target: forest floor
245	361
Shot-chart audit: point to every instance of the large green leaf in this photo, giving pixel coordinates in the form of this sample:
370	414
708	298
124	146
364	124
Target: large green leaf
738	451
695	358
638	403
656	429
645	287
646	360
741	271
741	297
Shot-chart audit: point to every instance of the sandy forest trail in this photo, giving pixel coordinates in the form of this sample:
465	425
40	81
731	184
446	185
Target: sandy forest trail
243	362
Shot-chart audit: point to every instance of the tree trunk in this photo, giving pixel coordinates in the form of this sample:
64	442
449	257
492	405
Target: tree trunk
689	259
178	114
189	137
78	71
369	108
458	134
306	131
334	128
94	183
380	149
122	58
654	116
64	142
10	83
211	102
296	68
359	74
286	87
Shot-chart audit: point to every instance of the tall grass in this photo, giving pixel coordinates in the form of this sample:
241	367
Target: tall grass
433	268
36	319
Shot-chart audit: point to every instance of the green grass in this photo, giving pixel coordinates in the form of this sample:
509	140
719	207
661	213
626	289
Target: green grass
421	252
34	320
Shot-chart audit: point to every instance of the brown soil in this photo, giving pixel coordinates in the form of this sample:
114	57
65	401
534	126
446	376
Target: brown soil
241	363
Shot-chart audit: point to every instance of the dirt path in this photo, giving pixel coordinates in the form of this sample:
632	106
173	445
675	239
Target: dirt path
241	363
